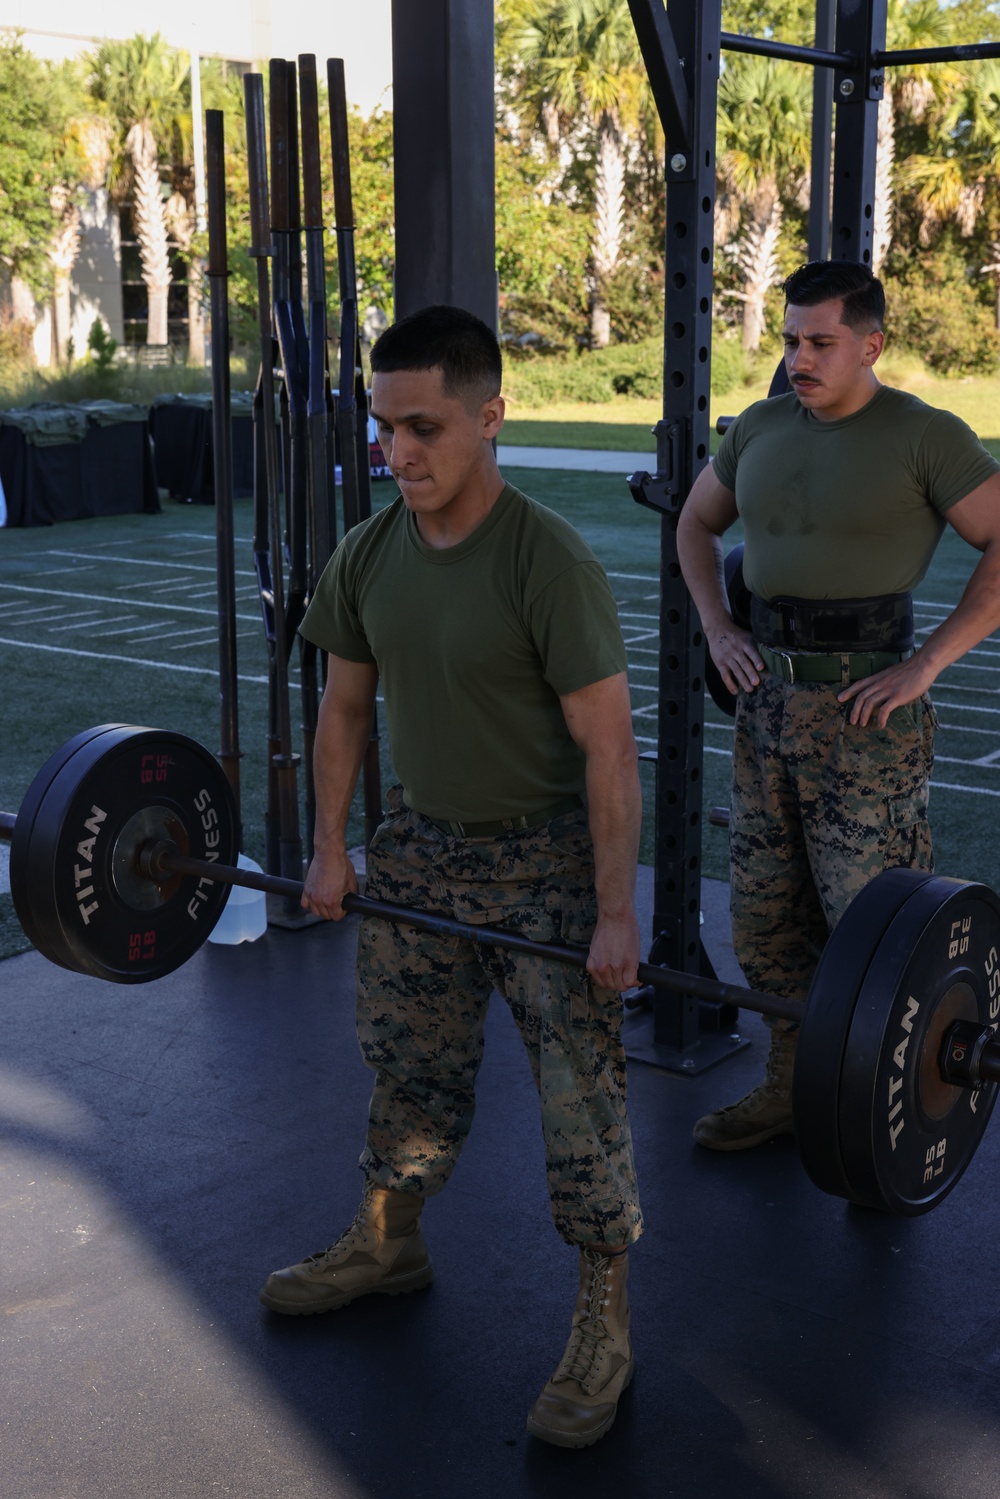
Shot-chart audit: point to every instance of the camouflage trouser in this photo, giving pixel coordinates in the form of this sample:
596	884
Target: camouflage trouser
820	806
422	1001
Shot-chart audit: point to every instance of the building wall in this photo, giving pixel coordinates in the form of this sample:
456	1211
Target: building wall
96	284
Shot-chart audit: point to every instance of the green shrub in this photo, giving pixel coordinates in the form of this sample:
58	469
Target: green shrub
935	311
624	369
729	366
101	345
594	375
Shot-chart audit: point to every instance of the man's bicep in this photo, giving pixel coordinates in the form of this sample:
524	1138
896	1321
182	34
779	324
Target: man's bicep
976	518
710	503
350	685
599	716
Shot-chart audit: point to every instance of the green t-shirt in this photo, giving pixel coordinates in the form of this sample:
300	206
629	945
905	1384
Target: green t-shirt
846	509
474	644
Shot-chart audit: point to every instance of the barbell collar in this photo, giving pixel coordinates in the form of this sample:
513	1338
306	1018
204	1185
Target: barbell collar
970	1055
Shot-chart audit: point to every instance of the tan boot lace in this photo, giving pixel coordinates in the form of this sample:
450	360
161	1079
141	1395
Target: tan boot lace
348	1240
581	1352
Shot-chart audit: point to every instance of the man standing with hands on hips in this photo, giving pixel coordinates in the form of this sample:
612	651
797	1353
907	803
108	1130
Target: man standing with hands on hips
493	631
844	487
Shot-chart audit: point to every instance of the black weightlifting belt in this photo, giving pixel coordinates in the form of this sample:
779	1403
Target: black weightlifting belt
832	640
507	824
839	626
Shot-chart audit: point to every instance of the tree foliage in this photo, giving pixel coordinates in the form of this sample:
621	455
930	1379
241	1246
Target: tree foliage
37	153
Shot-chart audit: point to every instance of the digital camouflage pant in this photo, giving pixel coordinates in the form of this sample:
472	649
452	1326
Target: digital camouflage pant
820	806
422	1001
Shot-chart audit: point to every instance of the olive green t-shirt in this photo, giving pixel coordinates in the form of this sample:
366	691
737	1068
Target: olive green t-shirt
474	644
846	509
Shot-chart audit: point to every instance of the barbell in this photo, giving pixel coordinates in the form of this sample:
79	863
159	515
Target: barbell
123	851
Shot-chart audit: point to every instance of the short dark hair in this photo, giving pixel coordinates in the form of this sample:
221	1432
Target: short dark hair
447	338
827	280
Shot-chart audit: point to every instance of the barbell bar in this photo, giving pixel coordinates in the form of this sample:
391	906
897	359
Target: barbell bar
124	849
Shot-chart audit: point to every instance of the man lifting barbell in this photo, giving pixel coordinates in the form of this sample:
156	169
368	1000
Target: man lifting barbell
494	632
843	487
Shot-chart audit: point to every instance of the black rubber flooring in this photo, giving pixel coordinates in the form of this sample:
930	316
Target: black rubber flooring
164	1147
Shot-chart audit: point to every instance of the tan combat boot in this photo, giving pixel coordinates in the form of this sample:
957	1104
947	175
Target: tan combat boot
383	1250
580	1401
764	1113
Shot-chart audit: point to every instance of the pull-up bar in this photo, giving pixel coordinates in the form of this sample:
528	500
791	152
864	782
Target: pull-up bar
734	41
816	57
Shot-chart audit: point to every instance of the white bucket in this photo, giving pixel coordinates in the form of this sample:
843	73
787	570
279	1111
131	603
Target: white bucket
244	916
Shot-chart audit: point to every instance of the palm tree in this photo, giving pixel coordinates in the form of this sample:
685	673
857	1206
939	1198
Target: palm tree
763	157
958	174
577	73
906	98
139	85
180	217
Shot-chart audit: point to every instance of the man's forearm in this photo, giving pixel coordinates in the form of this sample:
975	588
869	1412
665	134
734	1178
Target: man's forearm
614	802
341	740
976	615
700	553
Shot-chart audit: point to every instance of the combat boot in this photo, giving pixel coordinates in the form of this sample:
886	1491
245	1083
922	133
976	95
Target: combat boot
382	1250
580	1401
764	1113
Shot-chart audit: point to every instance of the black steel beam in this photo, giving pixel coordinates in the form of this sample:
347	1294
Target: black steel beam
860	32
814	57
685	1035
822	137
665	71
443	149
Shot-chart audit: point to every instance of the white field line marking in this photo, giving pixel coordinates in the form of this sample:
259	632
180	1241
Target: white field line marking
194	630
59	650
643	635
967	728
33	616
89	624
104	598
975	665
188	645
985	762
157	587
636	577
200	536
79	614
198	567
48	572
965	708
632	614
973	790
134	629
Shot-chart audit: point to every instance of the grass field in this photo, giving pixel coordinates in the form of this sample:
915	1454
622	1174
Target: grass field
115	621
625	425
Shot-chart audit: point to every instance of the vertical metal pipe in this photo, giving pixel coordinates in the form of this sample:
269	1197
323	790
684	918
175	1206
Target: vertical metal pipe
353	439
320	509
218	275
290	843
